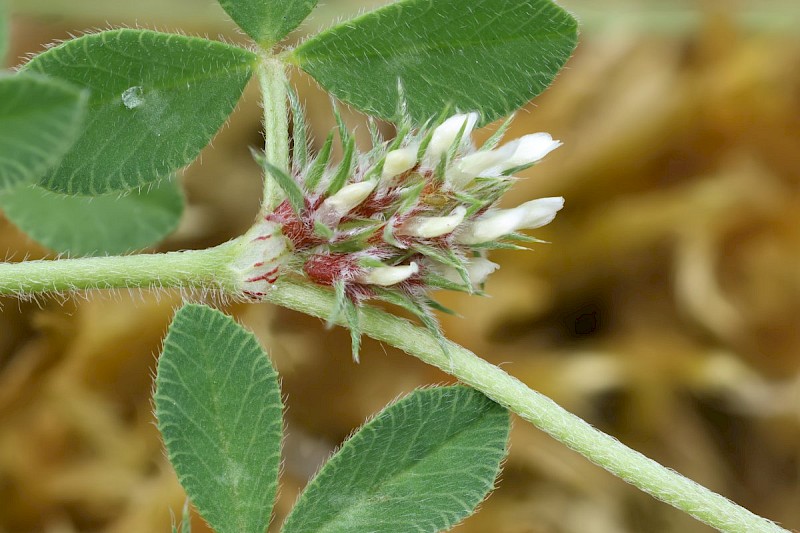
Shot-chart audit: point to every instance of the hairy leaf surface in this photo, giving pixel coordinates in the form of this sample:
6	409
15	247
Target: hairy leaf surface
268	21
156	100
423	464
40	118
490	56
219	410
102	225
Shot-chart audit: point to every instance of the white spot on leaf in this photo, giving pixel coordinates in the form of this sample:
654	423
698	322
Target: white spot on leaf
133	97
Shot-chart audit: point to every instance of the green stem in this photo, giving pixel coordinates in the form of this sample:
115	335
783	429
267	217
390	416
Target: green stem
201	269
603	450
274	95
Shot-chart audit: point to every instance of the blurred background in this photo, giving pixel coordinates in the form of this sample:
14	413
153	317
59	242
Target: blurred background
666	310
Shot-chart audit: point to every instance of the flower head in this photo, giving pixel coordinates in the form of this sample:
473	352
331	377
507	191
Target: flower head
409	216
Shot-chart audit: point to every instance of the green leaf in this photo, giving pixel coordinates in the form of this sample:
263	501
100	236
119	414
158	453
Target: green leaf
40	118
103	225
423	464
268	21
490	56
219	410
156	100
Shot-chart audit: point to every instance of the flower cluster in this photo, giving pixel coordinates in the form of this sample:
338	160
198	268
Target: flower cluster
409	216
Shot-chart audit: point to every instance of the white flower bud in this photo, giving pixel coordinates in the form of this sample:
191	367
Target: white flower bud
525	151
478	269
445	135
386	276
399	161
530	215
519	152
346	199
430	227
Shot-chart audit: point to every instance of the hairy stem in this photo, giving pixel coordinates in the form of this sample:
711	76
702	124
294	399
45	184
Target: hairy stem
274	95
201	269
603	450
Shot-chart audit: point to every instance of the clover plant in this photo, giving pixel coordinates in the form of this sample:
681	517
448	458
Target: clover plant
92	134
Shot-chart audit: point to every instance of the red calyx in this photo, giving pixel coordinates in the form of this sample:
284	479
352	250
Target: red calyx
325	269
299	229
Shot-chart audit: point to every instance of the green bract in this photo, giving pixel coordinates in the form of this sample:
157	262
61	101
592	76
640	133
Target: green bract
102	225
39	120
219	409
156	100
490	56
268	21
186	521
423	464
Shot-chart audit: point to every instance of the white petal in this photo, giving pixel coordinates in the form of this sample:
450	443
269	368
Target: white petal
445	135
530	215
385	276
479	161
399	161
430	227
472	166
347	198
